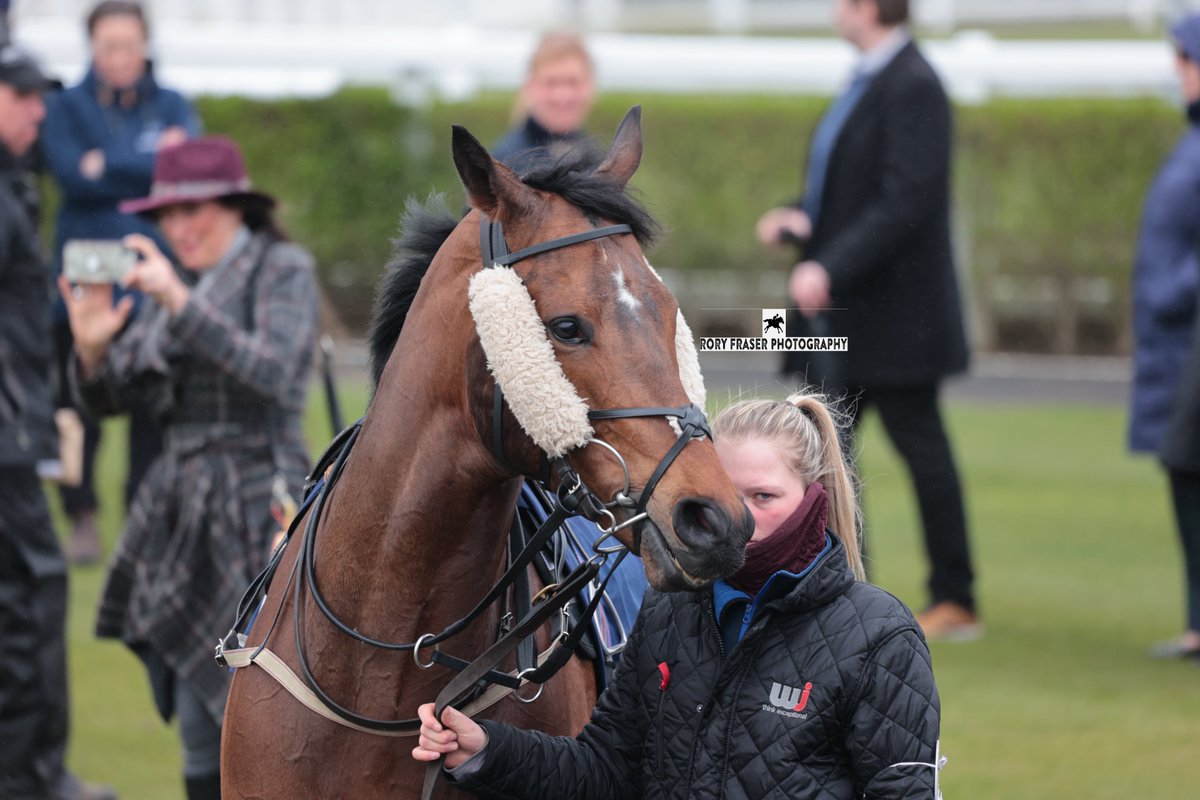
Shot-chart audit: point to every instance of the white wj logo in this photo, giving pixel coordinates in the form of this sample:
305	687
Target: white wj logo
790	697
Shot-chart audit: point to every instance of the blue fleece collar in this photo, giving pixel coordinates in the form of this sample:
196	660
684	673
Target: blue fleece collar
778	585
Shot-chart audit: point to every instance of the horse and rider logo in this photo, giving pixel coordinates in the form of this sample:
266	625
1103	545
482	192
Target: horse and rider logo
773	323
789	701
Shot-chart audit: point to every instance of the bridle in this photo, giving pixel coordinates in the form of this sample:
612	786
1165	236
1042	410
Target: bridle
689	419
572	497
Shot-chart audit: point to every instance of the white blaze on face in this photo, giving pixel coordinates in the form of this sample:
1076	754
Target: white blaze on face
685	354
624	296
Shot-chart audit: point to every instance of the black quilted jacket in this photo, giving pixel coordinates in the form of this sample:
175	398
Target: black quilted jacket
828	693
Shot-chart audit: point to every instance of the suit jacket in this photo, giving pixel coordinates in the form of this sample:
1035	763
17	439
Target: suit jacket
883	234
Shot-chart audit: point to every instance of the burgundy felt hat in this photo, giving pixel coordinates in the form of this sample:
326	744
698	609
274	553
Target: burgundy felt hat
195	171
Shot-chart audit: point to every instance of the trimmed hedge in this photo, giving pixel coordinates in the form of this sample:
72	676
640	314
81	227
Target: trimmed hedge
1048	191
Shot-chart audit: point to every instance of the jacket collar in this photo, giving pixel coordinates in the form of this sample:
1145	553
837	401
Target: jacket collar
828	578
877	59
825	580
106	96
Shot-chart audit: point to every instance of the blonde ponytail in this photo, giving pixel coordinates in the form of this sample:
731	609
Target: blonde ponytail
807	435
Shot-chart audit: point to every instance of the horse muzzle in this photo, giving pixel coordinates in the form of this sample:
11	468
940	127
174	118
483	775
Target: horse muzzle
704	543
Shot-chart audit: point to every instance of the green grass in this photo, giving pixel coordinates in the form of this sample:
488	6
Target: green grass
1079	573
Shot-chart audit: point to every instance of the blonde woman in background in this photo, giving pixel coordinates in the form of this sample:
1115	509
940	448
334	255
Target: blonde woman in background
555	100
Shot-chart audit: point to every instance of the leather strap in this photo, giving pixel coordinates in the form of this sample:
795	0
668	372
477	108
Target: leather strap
555	244
461	683
278	669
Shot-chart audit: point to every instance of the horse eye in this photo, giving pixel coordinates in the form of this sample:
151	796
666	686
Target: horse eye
567	330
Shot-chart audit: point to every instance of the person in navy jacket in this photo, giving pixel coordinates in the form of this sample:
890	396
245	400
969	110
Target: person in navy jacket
554	104
1166	327
99	140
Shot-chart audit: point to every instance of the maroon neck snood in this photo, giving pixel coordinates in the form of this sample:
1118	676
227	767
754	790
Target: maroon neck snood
792	546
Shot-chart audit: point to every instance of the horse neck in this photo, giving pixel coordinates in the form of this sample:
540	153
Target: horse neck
418	520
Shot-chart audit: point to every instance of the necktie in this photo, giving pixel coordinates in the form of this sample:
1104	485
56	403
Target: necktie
825	138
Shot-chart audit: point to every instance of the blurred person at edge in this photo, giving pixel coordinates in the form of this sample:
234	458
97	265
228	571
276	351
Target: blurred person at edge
554	103
877	267
222	352
1165	404
98	141
34	718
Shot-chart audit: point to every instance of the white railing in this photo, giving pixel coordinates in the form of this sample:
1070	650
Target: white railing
456	61
723	16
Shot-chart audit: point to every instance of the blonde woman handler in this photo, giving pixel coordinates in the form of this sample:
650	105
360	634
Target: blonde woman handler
792	678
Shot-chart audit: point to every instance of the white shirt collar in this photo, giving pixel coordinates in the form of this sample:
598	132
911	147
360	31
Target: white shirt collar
872	61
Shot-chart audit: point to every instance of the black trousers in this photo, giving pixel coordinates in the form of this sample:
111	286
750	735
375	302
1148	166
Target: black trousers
1185	496
913	422
145	437
33	665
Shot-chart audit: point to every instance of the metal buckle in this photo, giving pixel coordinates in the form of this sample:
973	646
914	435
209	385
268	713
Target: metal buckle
564	631
417	651
517	692
546	592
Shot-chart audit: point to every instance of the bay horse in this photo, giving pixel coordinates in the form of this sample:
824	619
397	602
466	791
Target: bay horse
415	529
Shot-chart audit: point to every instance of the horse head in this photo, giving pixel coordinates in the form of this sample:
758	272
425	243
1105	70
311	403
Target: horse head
582	337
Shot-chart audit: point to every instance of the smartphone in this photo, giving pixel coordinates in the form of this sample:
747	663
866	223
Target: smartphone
96	261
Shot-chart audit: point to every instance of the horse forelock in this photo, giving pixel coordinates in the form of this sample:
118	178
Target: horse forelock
571	176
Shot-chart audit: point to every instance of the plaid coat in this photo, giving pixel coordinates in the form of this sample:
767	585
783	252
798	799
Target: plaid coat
228	378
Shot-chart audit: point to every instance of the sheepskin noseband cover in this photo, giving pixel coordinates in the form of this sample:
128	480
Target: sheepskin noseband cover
521	359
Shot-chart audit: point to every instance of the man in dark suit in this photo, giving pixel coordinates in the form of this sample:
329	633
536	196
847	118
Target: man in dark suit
878	268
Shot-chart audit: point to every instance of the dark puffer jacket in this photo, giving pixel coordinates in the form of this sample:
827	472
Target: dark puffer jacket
26	426
828	693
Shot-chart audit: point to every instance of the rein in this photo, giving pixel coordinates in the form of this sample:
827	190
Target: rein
571	498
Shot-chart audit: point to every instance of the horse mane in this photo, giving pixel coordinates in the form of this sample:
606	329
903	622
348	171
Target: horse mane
426	226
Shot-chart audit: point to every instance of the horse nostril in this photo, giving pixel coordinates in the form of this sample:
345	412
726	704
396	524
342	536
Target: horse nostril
701	523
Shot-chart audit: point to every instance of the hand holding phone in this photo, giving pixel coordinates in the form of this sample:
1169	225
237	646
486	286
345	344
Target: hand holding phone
154	274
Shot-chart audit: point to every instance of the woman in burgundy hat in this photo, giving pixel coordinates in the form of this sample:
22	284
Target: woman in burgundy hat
223	358
793	677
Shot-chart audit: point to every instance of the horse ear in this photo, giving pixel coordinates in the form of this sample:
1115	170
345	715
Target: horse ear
489	183
626	151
